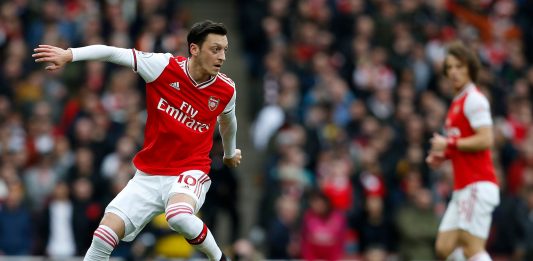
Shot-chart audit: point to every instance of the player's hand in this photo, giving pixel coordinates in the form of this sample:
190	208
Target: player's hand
438	142
234	161
55	56
435	159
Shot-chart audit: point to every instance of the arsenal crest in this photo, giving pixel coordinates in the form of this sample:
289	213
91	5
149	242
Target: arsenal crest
213	103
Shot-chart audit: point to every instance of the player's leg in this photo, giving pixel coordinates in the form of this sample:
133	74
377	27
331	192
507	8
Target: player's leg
447	242
105	238
474	247
186	196
181	218
475	224
126	215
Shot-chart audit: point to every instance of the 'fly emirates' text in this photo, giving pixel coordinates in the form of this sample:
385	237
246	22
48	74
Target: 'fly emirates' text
184	114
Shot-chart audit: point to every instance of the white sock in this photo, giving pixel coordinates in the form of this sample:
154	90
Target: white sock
480	256
181	219
104	241
457	255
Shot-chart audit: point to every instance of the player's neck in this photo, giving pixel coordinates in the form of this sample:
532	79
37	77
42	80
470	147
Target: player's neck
458	91
197	73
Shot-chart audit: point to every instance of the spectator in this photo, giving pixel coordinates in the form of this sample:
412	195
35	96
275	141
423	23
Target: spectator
16	232
40	181
524	246
58	224
244	250
417	225
281	234
86	213
323	230
375	226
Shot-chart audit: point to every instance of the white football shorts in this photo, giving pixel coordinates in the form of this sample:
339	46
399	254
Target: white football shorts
470	209
146	196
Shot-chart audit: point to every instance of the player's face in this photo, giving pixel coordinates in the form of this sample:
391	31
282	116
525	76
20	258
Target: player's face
457	72
212	53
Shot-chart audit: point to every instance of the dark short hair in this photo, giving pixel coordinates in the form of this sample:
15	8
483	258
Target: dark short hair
200	30
466	56
317	194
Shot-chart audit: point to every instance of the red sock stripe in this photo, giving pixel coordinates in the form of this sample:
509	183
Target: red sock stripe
171	215
179	208
103	238
175	211
200	238
170	209
107	233
99	234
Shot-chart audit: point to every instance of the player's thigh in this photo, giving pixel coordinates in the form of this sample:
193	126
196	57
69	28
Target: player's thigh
137	203
114	222
478	202
450	220
446	242
448	236
190	186
182	198
471	244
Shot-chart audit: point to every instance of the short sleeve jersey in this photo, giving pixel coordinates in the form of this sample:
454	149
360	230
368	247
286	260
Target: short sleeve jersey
469	110
182	114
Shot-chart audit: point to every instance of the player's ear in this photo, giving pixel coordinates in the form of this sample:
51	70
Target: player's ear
194	49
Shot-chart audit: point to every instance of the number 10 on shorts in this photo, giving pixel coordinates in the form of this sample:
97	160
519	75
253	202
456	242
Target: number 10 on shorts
187	179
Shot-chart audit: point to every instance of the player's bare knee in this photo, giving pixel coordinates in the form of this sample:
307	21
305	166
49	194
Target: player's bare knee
472	245
443	254
114	222
444	248
446	243
181	198
178	215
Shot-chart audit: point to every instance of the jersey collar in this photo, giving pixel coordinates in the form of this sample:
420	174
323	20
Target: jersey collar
198	85
469	86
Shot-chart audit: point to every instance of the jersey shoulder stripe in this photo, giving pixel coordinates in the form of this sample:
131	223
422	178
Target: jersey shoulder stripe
226	79
134	60
181	64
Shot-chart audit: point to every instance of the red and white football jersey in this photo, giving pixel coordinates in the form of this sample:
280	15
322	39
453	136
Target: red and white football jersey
182	114
469	111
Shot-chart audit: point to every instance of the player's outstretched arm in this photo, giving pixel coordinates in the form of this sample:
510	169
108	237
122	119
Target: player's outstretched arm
58	57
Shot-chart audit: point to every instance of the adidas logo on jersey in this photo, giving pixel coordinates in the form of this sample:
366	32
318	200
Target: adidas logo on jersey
175	85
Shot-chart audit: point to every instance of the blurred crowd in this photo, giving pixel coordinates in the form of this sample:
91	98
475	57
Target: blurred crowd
352	91
348	93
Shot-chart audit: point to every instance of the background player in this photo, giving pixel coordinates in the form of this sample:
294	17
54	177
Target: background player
184	99
468	140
